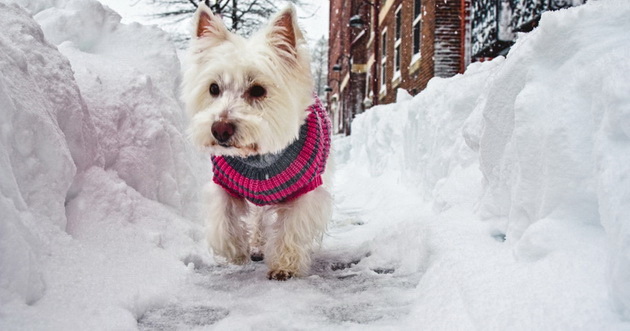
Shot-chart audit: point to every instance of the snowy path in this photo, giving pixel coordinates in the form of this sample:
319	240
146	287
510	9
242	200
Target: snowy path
341	290
338	292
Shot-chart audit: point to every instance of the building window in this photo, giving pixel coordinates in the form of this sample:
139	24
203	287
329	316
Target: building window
383	74
368	90
398	21
383	59
397	42
384	43
397	59
417	29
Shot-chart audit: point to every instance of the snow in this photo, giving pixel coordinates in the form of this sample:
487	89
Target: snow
98	185
497	199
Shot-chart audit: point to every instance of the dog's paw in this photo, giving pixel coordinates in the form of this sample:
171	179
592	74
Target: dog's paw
280	275
257	256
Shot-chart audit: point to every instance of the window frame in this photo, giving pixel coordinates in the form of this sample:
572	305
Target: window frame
416	54
383	64
397	42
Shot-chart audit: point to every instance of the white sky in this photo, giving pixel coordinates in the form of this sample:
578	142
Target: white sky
315	24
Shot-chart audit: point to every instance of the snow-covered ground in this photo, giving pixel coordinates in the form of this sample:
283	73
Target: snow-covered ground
498	199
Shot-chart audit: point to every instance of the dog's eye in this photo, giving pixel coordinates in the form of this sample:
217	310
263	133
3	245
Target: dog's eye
214	89
257	91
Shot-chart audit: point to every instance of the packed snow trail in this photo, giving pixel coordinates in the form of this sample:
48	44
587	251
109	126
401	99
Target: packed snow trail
347	286
485	202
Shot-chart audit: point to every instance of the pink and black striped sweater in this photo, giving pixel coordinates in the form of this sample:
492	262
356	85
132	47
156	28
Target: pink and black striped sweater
275	178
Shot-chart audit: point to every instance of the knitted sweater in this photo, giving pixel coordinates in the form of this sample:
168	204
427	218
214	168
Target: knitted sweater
274	178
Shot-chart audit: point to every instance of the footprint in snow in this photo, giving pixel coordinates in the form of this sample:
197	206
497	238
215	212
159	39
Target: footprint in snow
181	318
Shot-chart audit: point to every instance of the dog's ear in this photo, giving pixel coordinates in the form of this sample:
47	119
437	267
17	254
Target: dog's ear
207	24
284	33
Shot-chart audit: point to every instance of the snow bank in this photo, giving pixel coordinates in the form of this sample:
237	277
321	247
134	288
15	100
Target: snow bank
97	174
548	127
421	139
39	99
140	129
552	128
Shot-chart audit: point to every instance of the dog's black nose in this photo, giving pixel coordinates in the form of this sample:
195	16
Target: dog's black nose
223	131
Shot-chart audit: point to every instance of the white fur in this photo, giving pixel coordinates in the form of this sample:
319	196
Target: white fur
288	232
299	227
235	64
225	230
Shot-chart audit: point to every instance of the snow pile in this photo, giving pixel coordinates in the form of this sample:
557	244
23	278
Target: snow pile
45	126
555	143
549	128
97	174
139	130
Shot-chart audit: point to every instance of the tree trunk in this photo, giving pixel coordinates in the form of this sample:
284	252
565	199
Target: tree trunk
235	19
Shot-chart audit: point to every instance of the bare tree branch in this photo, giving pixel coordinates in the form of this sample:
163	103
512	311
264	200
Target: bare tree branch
240	16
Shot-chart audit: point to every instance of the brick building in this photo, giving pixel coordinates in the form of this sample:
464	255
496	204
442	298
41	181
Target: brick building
378	46
419	40
496	22
346	65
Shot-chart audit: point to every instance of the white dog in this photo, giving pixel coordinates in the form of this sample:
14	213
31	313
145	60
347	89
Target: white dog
252	108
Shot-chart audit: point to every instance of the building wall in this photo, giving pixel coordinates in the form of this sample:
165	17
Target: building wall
441	45
442	49
426	67
339	44
448	37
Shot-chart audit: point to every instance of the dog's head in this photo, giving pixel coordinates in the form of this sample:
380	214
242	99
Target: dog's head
246	96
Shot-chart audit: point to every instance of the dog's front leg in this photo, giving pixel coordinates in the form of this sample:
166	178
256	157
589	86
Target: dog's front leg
225	230
259	219
299	227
